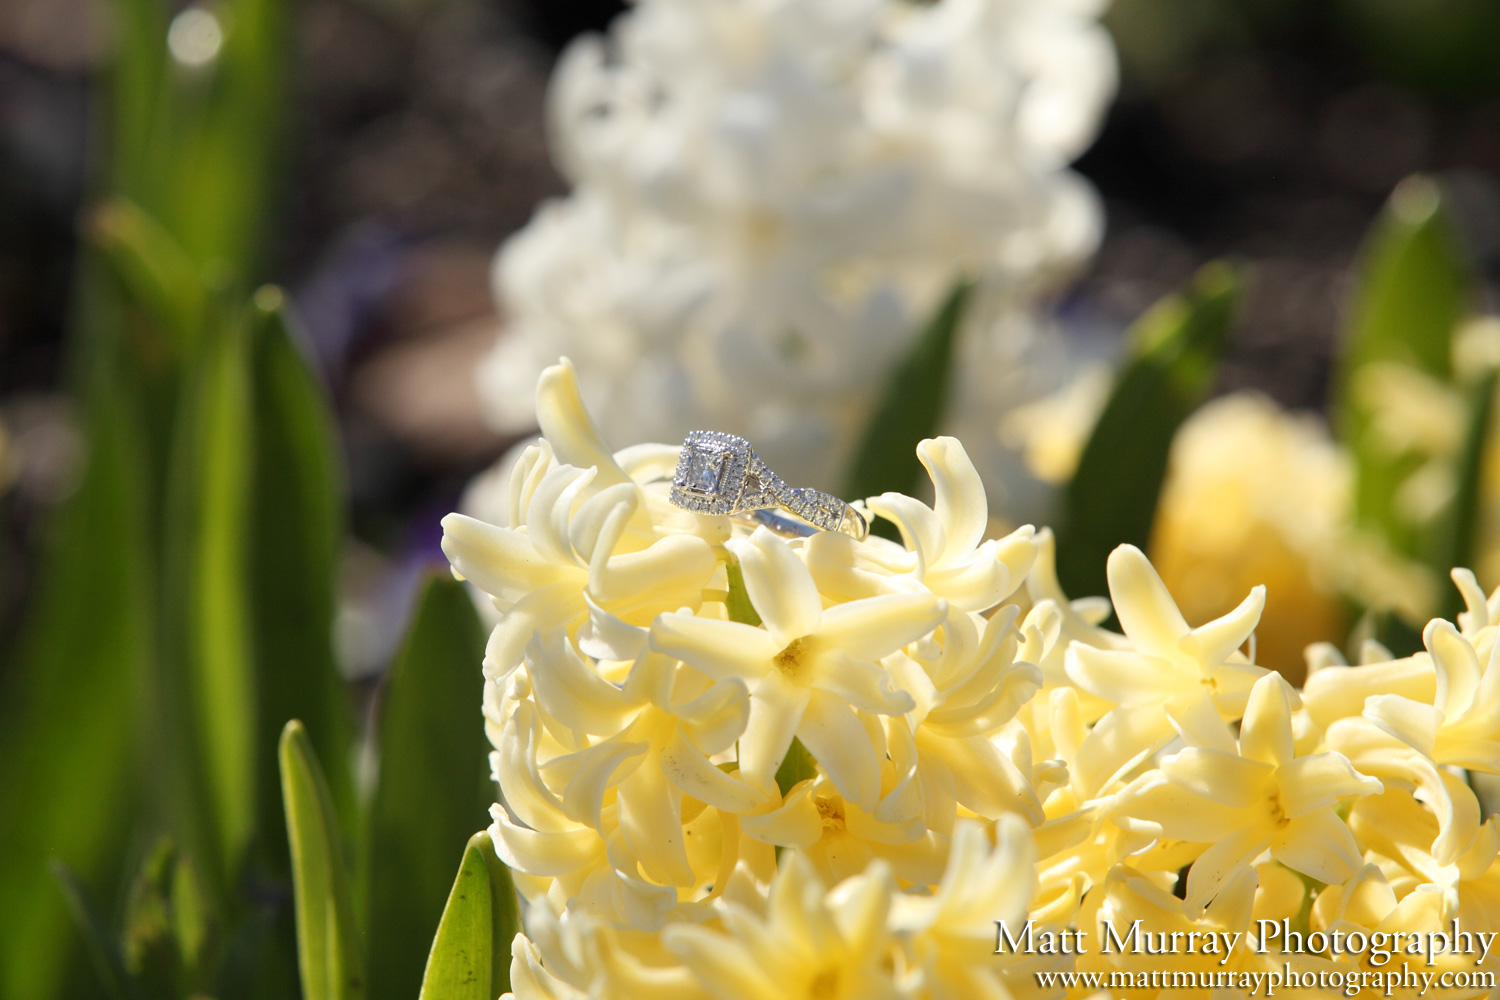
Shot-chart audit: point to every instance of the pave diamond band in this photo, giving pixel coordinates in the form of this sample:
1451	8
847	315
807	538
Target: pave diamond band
720	473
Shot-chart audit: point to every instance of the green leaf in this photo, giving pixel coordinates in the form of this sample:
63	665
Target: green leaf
470	956
798	765
224	140
70	691
327	939
1173	358
153	270
1458	527
1414	287
434	782
104	953
166	930
297	524
911	407
207	686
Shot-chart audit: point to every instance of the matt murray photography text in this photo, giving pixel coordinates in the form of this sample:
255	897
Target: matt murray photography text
1379	946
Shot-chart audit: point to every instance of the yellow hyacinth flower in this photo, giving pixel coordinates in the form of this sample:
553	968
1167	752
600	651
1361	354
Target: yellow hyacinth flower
973	746
1260	795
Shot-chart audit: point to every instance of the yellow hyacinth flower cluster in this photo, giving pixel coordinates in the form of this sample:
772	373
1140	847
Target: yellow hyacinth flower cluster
738	766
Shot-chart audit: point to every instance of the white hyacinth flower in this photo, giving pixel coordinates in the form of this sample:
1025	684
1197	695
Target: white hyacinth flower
772	196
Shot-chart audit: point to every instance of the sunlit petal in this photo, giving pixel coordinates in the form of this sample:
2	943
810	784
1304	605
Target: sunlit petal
1318	781
776	708
1146	611
1266	732
875	626
1318	844
779	585
721	649
568	427
959	500
832	734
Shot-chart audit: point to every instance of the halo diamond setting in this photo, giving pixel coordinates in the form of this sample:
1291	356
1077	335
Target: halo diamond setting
719	473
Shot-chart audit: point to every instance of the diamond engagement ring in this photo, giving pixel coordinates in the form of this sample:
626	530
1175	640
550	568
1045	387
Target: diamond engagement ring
720	473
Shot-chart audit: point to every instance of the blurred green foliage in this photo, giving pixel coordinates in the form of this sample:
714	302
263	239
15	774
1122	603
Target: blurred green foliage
185	611
431	740
1415	287
910	409
1169	369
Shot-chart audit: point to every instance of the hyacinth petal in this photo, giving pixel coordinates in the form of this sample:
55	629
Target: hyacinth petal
1225	778
671	572
1184	815
596	526
1018	551
1214	642
606	637
546	609
920	529
651	822
721	649
1198	721
1120	677
1453	802
529	981
865	685
832	733
795	823
645	462
501	562
568	427
595	775
776	707
779	585
1145	608
1120	740
876	626
1266	731
556	852
1330	695
983	779
570	691
982	884
975	584
717	717
1411	722
689	770
798	909
1457	665
551	510
520	778
863	907
527	474
1474	755
1318	844
1320	780
1214	867
724	966
959	500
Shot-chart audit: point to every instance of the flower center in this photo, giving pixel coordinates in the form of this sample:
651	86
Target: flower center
792	660
824	986
1278	811
830	812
